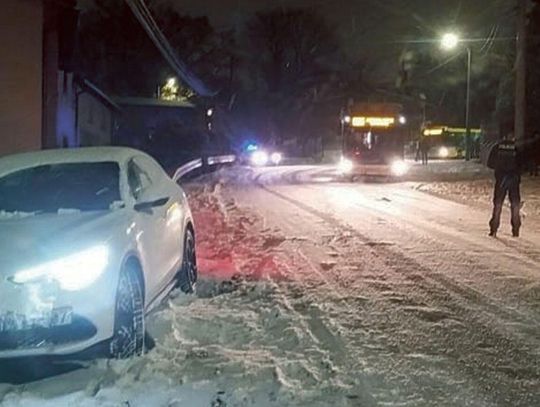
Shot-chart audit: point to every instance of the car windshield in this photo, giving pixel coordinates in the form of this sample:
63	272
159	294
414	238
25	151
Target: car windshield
56	187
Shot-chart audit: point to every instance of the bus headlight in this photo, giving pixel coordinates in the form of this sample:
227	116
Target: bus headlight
345	166
443	152
276	158
399	168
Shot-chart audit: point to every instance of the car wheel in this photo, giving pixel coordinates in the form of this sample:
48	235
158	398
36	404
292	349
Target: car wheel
129	330
188	274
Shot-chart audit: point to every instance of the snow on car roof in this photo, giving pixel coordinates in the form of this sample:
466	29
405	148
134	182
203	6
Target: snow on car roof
86	154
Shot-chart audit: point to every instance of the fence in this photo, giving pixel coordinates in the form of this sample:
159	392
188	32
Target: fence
201	163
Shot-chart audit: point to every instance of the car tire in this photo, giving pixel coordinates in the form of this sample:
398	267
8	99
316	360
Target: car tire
187	276
129	327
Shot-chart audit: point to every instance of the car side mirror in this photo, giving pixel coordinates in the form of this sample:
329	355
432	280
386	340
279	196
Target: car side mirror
148	205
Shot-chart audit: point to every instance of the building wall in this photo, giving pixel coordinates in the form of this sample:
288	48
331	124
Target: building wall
51	56
21	31
66	134
95	121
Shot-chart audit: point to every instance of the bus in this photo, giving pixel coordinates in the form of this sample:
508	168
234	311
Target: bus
450	142
373	140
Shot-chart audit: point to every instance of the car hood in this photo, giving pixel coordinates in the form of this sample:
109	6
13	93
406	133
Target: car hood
26	242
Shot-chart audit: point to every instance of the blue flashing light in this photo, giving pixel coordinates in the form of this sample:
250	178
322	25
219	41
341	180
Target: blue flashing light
252	147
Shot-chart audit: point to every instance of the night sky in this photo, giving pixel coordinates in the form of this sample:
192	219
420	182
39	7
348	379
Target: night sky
373	30
386	18
446	12
376	31
226	11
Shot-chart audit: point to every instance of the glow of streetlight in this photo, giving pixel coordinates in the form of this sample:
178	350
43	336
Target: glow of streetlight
449	41
171	82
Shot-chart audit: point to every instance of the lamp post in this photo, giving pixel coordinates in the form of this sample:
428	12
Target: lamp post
451	41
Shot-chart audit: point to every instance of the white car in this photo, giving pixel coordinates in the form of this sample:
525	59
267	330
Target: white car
90	240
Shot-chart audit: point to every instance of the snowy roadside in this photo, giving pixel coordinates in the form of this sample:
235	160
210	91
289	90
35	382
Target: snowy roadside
400	326
479	193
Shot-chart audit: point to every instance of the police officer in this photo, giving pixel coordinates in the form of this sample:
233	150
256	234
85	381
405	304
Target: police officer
508	161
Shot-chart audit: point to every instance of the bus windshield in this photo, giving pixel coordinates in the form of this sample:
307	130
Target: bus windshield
376	146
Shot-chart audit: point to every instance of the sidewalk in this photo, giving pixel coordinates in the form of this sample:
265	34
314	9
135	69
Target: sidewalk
478	192
447	170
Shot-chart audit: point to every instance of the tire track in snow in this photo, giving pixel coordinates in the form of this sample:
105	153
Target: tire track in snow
464	291
387	251
370	341
305	314
430	283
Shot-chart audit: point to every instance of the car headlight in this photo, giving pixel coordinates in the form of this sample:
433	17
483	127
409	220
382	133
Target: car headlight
399	168
345	165
72	273
443	152
259	158
276	158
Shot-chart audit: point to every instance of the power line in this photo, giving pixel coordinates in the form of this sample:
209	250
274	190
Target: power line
144	16
442	64
163	44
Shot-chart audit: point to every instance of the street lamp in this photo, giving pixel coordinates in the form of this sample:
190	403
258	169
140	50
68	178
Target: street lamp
451	41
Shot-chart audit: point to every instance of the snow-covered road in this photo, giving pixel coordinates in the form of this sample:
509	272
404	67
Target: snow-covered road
320	293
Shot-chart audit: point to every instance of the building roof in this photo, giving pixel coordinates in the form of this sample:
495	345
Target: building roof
152	102
93	89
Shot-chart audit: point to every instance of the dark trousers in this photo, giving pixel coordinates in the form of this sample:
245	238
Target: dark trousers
508	184
424	157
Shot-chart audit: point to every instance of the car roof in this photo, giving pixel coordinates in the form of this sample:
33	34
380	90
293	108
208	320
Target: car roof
21	161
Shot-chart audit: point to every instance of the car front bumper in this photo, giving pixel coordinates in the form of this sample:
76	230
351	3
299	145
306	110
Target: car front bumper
27	328
372	170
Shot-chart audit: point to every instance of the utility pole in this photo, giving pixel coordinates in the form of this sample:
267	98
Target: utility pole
468	107
521	72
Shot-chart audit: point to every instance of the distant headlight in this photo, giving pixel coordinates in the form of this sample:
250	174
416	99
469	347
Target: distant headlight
72	273
259	158
443	152
276	158
399	168
345	166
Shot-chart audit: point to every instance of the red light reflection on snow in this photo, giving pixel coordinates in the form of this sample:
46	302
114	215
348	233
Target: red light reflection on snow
227	246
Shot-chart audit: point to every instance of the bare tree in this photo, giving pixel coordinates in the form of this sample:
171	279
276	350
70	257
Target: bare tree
291	60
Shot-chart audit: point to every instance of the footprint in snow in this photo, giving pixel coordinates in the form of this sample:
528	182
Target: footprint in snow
273	241
328	265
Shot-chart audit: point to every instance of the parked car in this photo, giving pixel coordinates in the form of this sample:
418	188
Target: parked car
91	239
